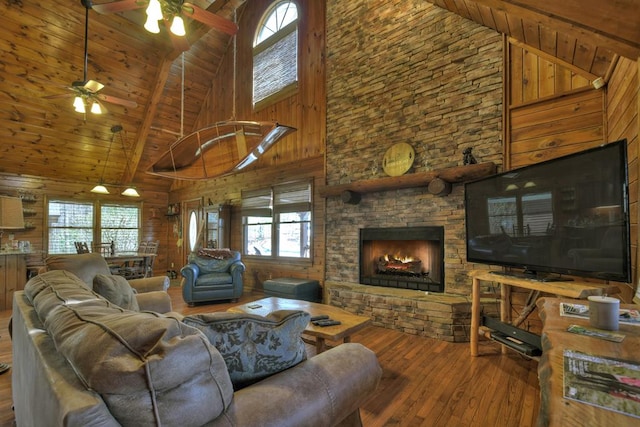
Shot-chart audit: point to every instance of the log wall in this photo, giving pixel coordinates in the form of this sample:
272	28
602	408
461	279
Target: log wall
622	121
298	156
153	203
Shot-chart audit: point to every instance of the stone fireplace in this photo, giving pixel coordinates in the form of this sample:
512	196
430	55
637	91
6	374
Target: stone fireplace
439	96
403	257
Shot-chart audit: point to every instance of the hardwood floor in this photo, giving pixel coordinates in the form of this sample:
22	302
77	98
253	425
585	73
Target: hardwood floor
425	382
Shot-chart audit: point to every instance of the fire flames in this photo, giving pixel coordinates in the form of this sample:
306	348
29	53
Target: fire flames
398	263
397	258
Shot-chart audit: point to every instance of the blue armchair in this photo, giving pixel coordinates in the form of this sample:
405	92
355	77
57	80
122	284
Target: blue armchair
212	275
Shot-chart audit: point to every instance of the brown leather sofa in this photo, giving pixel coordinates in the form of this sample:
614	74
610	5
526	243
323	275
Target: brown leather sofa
151	292
79	360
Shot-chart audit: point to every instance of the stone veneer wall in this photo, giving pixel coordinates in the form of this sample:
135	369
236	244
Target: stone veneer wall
406	71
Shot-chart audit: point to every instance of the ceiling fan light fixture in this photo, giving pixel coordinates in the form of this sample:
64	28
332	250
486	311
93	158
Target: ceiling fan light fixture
130	192
154	10
177	26
78	104
95	108
100	189
151	25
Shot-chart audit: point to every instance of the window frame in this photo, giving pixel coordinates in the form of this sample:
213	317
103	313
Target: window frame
272	211
96	221
285	31
118	242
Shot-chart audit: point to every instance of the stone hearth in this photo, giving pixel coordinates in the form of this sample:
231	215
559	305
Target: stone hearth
443	316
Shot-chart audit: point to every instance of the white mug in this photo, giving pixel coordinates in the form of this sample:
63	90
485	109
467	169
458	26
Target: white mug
604	312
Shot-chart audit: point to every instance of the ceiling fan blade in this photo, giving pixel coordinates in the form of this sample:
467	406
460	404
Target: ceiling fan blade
115	100
61	95
93	86
119	6
210	19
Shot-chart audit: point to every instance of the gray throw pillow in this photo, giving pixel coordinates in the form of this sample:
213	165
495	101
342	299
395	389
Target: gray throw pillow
254	347
117	290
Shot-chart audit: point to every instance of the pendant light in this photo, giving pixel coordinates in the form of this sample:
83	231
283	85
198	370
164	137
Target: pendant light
100	188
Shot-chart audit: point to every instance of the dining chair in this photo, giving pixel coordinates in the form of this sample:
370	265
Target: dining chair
152	249
143	267
104	249
81	247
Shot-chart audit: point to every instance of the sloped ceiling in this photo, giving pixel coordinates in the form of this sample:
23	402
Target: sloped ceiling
586	34
41	52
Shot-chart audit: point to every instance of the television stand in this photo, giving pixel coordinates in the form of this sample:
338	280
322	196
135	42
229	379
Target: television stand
573	289
532	275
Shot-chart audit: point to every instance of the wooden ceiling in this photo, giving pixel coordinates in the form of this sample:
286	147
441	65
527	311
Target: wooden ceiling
42	53
42	48
585	34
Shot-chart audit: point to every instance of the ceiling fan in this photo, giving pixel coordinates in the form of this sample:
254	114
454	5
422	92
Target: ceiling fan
86	92
171	12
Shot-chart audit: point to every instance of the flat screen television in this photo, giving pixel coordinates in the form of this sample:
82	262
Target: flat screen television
565	216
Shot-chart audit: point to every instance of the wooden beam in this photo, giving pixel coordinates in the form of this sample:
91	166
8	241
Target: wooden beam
143	132
422	179
554	59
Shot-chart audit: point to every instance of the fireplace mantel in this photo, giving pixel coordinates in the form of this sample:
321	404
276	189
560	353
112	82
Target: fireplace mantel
421	179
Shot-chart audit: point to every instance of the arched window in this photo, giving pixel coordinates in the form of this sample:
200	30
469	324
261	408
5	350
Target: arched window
275	53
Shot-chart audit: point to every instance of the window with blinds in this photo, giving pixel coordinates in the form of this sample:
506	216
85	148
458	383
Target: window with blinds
275	53
277	221
120	224
69	222
78	221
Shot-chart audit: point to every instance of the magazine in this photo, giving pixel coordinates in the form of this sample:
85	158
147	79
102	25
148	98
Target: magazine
581	311
601	381
595	333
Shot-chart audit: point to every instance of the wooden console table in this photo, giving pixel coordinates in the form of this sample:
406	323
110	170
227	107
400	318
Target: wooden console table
555	410
572	289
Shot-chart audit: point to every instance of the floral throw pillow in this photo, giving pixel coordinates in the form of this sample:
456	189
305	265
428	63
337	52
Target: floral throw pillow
254	347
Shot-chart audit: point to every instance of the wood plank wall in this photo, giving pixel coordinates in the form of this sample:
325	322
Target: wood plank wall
228	191
622	121
552	110
298	156
305	109
154	206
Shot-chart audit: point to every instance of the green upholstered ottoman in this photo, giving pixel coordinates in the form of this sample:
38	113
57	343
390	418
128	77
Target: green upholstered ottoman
287	287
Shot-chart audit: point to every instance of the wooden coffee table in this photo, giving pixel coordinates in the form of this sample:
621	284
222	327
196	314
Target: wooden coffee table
350	323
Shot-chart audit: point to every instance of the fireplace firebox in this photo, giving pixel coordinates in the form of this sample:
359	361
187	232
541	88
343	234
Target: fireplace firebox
403	257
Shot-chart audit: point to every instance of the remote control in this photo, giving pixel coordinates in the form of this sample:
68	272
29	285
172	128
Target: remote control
327	322
319	317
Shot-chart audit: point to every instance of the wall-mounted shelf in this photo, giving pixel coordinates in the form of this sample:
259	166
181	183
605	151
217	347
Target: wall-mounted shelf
27	197
442	177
